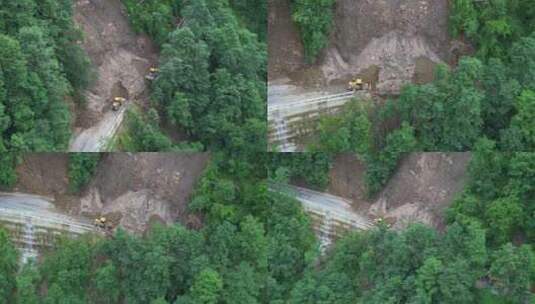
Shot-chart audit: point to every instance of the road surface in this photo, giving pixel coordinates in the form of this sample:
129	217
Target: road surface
331	214
288	104
33	219
337	208
98	137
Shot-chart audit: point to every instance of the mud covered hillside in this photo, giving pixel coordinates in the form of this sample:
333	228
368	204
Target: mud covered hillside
422	187
121	58
401	39
390	35
130	189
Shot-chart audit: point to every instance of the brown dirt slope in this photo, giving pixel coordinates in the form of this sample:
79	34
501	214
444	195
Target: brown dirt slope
387	35
357	22
132	189
121	57
43	174
347	180
423	185
285	50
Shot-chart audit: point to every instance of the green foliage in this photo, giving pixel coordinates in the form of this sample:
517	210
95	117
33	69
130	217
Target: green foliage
512	272
82	166
521	134
315	20
8	268
352	131
347	132
253	13
27	282
499	194
213	71
154	17
257	246
41	64
379	166
8	176
446	114
206	287
382	266
67	272
313	168
492	25
143	135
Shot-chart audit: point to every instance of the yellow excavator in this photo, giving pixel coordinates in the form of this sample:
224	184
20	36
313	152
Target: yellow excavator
103	223
153	73
356	85
117	103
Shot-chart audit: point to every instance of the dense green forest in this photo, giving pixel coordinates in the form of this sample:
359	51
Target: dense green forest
315	21
42	68
257	246
212	81
252	246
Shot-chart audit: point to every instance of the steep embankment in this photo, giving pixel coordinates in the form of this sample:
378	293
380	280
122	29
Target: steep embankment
121	59
131	189
398	40
421	188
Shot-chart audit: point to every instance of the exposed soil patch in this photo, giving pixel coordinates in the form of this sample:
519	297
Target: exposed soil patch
285	50
121	59
46	174
128	189
347	180
144	185
421	188
393	36
43	174
424	70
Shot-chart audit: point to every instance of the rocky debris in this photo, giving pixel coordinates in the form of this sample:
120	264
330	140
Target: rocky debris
422	187
121	59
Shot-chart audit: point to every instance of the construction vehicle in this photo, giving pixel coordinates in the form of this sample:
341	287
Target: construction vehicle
117	103
381	221
356	85
153	73
102	223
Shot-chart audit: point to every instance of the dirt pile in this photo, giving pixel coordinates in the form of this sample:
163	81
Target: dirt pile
389	34
422	187
359	22
142	186
132	189
43	174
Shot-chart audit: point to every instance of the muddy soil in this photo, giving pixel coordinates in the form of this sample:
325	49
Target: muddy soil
401	40
120	57
133	190
43	174
285	50
347	180
419	191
